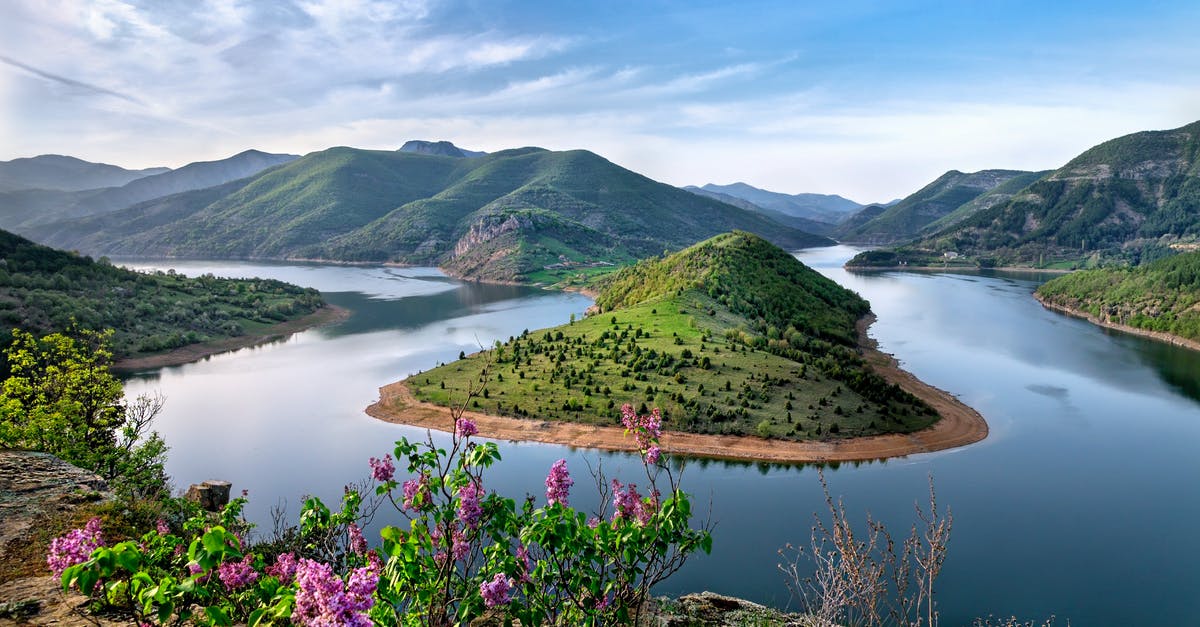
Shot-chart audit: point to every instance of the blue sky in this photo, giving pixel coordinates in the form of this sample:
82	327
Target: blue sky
870	100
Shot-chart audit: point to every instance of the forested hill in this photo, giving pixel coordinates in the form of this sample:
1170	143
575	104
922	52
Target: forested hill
729	336
768	287
43	290
1160	296
502	216
1127	200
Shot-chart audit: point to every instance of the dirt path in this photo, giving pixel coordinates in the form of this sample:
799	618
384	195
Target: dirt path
959	426
194	352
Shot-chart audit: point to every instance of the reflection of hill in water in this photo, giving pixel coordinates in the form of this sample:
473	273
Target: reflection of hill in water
1178	367
412	312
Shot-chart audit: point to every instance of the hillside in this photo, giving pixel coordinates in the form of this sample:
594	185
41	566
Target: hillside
729	336
828	208
804	224
1126	201
1161	296
907	218
43	290
517	215
439	148
23	211
67	174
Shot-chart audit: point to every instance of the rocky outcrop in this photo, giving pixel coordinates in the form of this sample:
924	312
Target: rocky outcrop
490	227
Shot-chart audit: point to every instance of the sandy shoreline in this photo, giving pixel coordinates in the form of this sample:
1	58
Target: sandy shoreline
959	426
185	354
1116	326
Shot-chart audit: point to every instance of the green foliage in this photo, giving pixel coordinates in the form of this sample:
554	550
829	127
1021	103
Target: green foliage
502	216
1161	296
60	398
43	290
721	336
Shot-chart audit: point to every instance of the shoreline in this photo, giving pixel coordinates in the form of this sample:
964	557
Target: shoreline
1160	336
959	425
954	268
326	314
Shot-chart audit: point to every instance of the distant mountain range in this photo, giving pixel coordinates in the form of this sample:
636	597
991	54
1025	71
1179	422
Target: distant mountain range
440	148
25	208
804	224
1129	200
949	193
830	209
502	216
67	174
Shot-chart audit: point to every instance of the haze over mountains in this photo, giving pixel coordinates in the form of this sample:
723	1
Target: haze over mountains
500	216
68	174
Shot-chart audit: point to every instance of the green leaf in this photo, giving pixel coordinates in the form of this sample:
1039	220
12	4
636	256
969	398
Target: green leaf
217	615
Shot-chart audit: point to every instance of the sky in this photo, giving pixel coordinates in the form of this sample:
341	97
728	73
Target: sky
867	99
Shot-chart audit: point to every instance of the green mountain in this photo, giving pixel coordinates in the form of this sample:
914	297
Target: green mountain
907	218
861	217
62	173
43	290
828	208
997	195
732	335
1127	200
24	210
1159	296
509	216
441	148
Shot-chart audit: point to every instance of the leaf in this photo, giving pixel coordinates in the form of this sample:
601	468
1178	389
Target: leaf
217	615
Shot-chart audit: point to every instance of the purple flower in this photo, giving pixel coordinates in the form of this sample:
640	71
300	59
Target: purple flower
459	547
322	600
382	469
495	592
652	454
646	430
558	483
237	574
75	547
465	428
629	503
284	567
526	563
469	509
358	544
416	493
161	527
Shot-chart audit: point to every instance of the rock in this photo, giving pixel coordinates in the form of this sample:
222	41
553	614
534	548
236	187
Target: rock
212	495
716	610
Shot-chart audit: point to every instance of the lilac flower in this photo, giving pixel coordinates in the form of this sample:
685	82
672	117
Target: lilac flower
75	547
358	544
558	483
646	430
459	547
628	503
284	567
322	600
161	527
469	509
237	574
526	563
382	469
465	428
416	493
196	569
495	592
652	454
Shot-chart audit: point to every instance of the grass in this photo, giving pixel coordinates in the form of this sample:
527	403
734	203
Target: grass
672	353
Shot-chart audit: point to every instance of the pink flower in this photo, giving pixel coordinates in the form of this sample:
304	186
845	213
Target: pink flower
495	592
284	567
237	574
75	547
629	503
322	600
646	431
469	509
161	527
358	544
465	428
416	493
558	483
382	469
652	454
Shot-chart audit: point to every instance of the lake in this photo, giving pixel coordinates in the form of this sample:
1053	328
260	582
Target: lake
1082	502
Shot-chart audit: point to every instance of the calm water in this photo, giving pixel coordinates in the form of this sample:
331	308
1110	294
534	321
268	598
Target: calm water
1082	503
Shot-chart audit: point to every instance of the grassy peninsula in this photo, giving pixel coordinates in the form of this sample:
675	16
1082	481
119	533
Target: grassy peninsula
731	336
1160	297
43	290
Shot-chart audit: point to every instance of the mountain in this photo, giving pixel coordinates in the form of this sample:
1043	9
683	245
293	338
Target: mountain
1127	200
861	217
819	207
43	290
905	219
62	173
22	210
439	148
506	216
804	224
732	316
999	194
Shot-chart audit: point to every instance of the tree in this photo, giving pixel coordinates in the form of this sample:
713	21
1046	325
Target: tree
61	398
